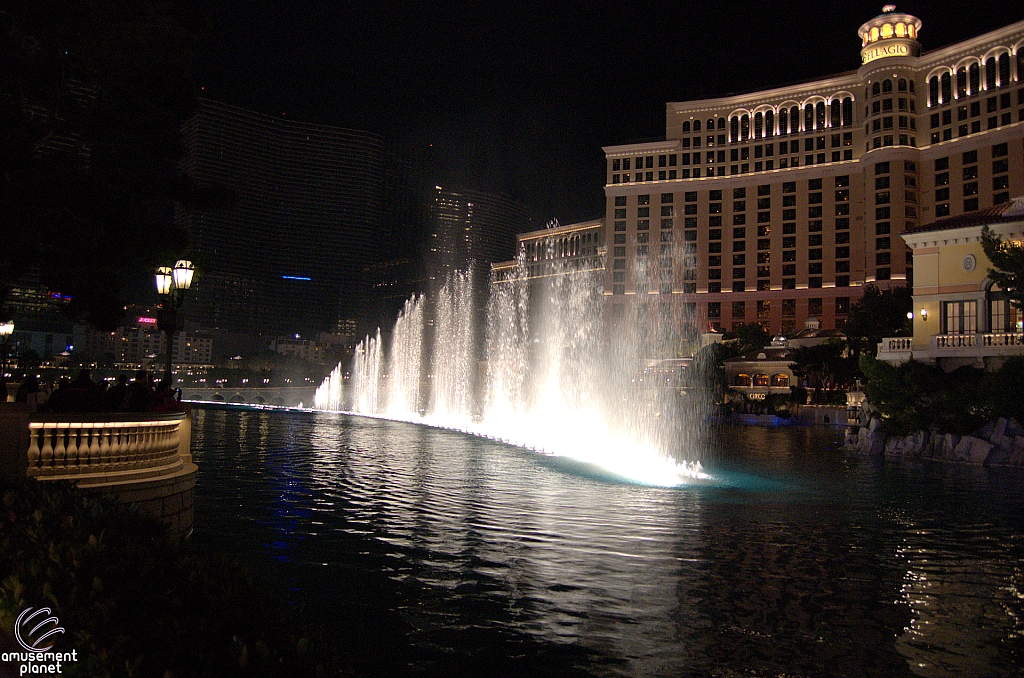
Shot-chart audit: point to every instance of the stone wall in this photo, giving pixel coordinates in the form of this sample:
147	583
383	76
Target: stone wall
999	443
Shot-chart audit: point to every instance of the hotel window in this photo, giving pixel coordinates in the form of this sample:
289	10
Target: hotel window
959	317
933	91
947	88
814	306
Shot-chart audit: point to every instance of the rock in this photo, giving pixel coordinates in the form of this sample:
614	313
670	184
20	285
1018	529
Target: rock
1000	428
1013	428
986	430
945	446
999	457
972	450
1003	442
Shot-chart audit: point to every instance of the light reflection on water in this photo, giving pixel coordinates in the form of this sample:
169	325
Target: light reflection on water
803	561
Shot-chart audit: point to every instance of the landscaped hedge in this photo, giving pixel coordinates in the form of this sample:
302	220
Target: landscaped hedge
915	397
132	602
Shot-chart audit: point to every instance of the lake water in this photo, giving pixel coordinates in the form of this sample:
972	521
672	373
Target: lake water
428	552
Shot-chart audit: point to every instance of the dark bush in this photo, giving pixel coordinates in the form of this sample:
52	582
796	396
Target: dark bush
133	602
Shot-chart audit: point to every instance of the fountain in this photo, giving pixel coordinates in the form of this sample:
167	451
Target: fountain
556	381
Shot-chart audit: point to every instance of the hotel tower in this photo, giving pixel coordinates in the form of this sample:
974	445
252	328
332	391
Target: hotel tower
779	205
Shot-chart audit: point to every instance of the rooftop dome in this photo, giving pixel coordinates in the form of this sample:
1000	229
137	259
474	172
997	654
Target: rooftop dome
890	34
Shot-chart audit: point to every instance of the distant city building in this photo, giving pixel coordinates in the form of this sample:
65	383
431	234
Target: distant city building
782	204
141	343
326	348
315	205
471	226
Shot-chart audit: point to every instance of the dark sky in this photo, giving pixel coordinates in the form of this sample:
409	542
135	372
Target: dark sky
519	97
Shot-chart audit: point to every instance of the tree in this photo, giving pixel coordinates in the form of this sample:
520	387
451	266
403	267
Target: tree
879	314
752	337
92	99
1008	259
827	366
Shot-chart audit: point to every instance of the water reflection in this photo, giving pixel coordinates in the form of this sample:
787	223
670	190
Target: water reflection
804	562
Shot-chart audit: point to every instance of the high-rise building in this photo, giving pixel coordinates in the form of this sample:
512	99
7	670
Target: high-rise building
310	213
782	204
471	227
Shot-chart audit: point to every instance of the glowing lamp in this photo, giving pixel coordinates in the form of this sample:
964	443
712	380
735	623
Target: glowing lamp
7	328
924	314
163	280
183	272
910	315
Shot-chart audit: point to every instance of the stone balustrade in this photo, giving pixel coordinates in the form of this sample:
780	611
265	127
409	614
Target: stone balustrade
896	345
141	459
104	447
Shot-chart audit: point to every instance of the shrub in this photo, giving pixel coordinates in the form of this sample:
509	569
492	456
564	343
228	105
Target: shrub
134	603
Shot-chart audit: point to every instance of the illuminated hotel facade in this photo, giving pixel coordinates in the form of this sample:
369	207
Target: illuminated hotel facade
779	205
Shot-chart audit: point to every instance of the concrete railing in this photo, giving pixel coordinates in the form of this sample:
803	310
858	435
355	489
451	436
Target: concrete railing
105	447
896	345
985	340
141	459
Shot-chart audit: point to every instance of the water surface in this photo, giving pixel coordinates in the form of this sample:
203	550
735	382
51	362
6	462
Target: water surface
430	552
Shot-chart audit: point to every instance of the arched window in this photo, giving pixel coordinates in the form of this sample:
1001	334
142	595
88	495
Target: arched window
686	126
836	117
808	117
1020	64
911	86
780	380
721	124
990	73
1004	69
947	88
794	120
769	123
783	121
887	31
886	86
734	129
876	89
742	380
933	91
901	30
847	112
961	83
819	122
696	125
758	125
761	380
744	127
974	74
711	125
901	85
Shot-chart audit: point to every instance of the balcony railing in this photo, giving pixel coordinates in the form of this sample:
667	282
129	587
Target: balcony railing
977	345
986	340
104	448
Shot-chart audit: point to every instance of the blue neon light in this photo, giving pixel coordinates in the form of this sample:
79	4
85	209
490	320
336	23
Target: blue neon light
294	277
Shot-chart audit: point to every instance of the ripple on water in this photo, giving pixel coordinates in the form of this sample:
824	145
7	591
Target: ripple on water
441	549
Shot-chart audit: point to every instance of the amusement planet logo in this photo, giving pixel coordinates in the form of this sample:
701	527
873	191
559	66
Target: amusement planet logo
33	630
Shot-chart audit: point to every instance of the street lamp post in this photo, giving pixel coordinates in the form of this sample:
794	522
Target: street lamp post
171	284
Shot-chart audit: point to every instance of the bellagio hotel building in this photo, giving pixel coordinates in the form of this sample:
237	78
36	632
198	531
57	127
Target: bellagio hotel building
779	205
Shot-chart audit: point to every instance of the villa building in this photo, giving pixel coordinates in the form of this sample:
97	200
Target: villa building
960	317
780	205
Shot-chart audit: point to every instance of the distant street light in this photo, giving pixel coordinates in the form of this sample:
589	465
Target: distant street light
171	284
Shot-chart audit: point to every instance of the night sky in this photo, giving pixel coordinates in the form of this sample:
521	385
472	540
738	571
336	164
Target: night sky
520	97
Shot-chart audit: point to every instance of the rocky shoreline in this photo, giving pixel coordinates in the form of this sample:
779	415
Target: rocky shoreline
998	443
